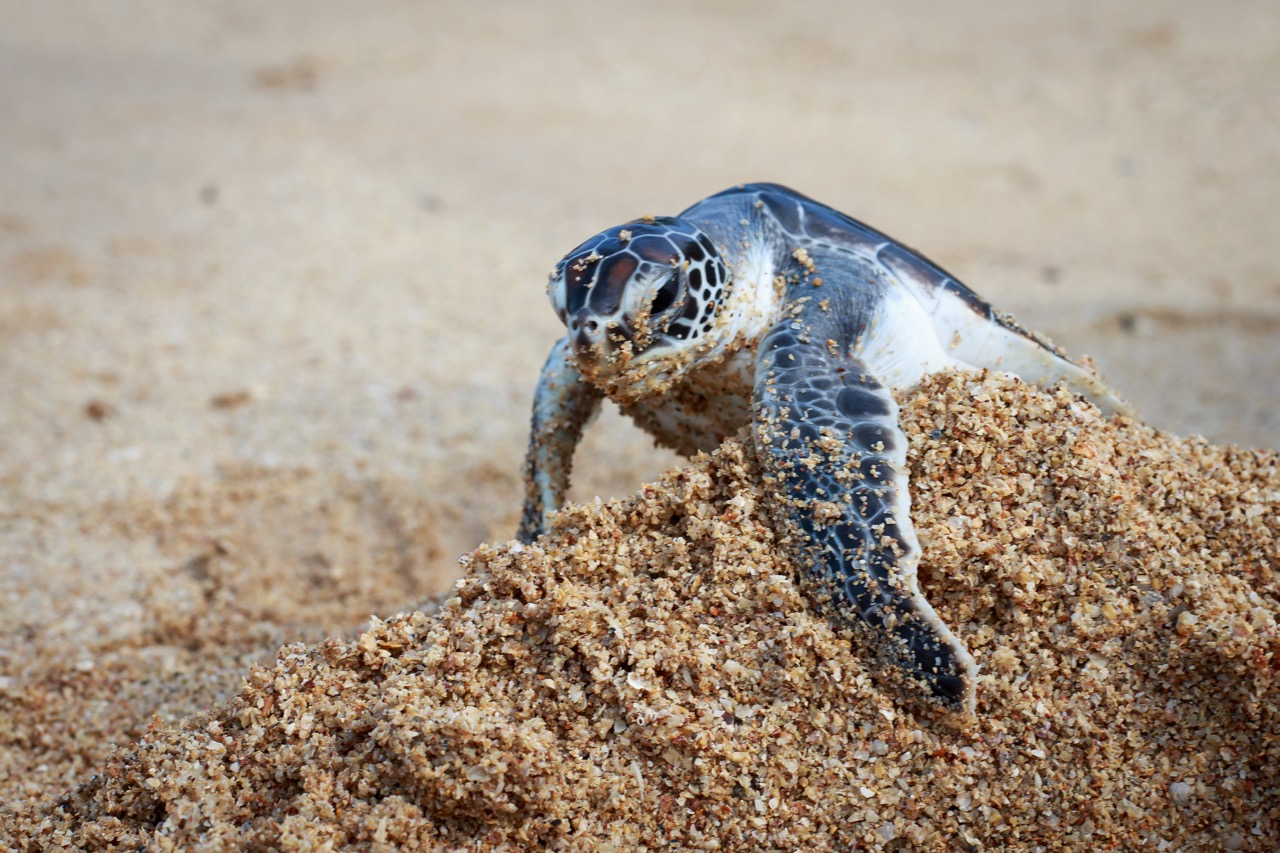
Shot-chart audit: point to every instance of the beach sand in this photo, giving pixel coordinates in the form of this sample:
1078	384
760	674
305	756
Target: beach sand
271	314
651	674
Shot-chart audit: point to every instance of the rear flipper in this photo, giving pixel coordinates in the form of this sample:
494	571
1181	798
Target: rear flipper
1002	347
827	432
975	334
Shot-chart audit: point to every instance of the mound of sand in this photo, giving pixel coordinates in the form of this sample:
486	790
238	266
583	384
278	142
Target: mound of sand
652	675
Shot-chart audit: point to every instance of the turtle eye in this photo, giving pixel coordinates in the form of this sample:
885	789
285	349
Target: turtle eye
666	296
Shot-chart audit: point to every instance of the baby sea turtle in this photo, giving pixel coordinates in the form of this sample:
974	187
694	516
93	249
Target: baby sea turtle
759	305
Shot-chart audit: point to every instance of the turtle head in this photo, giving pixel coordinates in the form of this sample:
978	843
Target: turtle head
638	300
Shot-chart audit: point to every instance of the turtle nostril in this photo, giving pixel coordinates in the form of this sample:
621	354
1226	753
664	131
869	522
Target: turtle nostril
585	324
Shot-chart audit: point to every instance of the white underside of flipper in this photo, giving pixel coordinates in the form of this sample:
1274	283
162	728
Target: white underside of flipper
898	345
971	340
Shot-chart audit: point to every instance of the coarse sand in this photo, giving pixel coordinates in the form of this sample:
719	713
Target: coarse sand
652	675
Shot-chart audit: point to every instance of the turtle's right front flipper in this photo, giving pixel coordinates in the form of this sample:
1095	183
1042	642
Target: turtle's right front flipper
827	434
562	406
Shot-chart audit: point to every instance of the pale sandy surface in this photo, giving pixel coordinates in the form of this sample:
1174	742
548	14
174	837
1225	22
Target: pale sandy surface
271	302
650	675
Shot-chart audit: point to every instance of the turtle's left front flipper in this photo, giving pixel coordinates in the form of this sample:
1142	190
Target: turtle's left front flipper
827	432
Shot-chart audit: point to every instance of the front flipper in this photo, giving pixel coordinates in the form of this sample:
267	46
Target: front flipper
828	433
562	406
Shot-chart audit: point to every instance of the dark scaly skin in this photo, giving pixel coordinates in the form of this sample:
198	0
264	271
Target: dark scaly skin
817	403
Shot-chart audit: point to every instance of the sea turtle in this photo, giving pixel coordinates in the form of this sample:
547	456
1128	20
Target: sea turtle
760	305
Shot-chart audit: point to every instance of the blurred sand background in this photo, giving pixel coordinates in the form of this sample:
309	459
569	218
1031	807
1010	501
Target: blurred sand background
271	276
